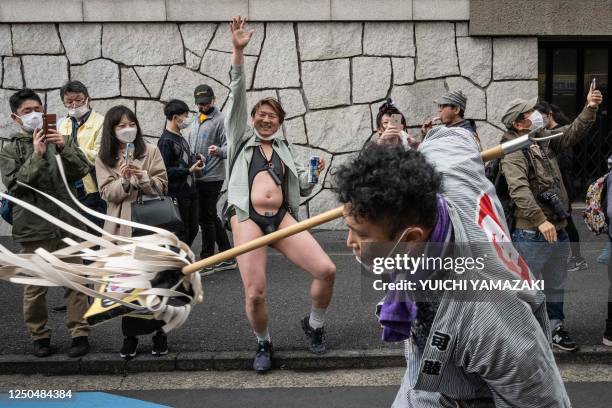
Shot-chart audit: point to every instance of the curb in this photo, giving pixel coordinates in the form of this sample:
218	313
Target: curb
111	363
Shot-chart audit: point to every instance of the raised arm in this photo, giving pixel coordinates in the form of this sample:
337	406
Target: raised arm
580	127
236	110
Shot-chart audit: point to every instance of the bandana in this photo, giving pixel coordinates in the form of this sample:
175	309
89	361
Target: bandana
396	317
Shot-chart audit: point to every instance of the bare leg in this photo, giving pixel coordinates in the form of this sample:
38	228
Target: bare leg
252	267
306	253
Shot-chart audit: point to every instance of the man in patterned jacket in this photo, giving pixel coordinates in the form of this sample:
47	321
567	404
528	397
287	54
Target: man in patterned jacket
464	349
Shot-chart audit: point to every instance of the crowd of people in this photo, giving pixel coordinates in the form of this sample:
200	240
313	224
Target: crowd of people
401	188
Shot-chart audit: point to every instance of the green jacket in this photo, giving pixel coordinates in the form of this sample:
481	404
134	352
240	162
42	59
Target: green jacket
18	162
526	180
238	131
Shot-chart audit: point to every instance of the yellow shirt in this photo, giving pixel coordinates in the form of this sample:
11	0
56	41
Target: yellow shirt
89	137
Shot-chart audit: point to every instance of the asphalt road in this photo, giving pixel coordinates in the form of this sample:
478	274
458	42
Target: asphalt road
582	395
588	386
219	324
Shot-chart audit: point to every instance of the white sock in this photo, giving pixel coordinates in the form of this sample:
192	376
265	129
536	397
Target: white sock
317	318
263	336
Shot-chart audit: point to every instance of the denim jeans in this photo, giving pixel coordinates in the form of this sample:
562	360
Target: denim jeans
548	262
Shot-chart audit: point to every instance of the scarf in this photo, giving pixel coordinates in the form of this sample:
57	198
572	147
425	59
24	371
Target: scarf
396	316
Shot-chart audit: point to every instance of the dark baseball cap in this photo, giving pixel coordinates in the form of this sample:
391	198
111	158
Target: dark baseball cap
203	94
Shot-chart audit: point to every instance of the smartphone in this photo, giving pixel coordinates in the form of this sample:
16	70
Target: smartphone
129	152
49	122
594	83
395	120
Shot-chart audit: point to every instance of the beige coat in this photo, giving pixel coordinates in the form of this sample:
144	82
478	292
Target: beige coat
119	199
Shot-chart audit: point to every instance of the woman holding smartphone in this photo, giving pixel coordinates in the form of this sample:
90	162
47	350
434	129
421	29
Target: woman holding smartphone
122	173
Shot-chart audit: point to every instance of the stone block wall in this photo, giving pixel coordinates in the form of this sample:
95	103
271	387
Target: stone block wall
331	77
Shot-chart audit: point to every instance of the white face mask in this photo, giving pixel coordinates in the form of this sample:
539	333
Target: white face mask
78	112
266	138
536	120
31	121
186	122
367	266
126	135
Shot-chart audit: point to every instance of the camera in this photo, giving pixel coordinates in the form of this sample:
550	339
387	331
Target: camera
551	198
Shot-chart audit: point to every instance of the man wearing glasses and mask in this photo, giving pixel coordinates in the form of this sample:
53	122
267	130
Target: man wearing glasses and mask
84	126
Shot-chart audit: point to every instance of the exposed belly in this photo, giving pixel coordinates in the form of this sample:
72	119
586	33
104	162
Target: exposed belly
266	195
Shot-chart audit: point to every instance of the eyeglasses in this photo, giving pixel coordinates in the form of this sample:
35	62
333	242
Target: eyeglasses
74	103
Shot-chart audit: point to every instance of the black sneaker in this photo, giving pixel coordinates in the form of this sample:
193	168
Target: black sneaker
60	308
160	344
209	270
42	348
226	265
315	336
263	359
562	340
79	347
607	339
128	350
576	264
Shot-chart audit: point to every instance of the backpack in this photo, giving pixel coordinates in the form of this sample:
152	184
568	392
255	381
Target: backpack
6	209
595	213
495	176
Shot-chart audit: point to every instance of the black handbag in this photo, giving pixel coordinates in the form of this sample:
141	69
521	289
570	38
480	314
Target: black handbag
157	211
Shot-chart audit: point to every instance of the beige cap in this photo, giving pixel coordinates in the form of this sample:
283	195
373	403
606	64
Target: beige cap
515	108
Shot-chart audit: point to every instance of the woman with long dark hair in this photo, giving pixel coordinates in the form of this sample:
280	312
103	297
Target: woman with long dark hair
119	182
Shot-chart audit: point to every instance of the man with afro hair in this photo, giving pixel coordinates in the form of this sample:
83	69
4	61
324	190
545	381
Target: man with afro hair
472	348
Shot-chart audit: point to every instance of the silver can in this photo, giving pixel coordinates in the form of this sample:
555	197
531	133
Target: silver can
313	169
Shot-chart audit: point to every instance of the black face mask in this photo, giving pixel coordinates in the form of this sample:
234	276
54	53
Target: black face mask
207	112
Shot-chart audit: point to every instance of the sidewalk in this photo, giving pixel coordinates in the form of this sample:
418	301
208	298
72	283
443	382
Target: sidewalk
217	336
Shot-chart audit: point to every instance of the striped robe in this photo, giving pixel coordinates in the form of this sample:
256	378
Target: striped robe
495	348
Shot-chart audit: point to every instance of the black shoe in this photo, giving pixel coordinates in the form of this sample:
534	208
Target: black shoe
562	340
315	336
263	359
607	340
226	265
79	346
61	308
160	344
576	264
128	350
42	348
209	270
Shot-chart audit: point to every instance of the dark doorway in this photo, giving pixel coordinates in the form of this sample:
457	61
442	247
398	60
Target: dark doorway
565	73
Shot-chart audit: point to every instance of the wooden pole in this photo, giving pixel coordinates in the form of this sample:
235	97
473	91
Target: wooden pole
489	154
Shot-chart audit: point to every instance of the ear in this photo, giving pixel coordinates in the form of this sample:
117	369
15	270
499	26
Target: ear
16	119
416	234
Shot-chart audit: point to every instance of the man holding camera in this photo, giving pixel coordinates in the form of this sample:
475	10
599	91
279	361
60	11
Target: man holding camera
536	188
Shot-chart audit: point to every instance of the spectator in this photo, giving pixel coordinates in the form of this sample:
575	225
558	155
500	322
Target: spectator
119	184
565	159
181	166
535	186
451	112
84	126
29	158
389	134
264	190
607	338
207	137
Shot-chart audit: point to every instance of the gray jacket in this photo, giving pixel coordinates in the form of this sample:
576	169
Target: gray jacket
201	136
498	350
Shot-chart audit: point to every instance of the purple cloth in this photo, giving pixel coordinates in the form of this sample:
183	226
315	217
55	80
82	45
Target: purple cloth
395	316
